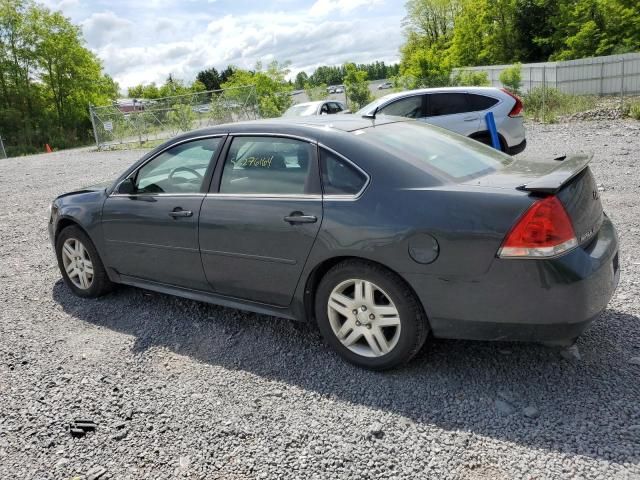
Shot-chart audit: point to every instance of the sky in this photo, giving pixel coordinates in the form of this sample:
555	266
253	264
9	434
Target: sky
144	41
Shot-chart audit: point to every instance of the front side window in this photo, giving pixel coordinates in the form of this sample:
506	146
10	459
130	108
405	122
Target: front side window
339	177
410	107
180	169
335	107
446	104
267	165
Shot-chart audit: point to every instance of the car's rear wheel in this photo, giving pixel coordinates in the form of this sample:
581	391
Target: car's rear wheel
369	315
80	264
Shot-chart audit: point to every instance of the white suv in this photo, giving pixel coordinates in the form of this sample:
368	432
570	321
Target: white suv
461	110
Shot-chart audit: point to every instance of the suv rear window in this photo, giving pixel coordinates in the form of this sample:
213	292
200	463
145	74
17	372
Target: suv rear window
445	155
480	102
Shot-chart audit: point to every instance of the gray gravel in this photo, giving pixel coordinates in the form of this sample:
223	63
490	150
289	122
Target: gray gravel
184	389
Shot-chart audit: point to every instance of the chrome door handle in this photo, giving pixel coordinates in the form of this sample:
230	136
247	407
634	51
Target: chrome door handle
181	213
470	119
296	217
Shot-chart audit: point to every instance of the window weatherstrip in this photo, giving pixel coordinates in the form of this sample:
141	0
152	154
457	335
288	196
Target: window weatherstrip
157	154
342	196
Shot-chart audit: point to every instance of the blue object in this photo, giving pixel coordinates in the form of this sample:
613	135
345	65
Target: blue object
491	126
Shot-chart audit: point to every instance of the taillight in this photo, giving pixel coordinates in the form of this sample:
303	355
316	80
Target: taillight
545	230
516	111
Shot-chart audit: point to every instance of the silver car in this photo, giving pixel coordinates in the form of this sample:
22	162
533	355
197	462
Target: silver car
322	107
460	109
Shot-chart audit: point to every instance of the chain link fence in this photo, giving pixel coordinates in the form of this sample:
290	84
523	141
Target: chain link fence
596	87
144	121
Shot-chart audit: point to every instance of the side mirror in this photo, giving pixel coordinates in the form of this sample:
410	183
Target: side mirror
127	187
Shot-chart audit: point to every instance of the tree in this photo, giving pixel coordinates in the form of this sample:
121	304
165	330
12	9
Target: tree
302	79
511	78
47	78
210	78
272	92
356	87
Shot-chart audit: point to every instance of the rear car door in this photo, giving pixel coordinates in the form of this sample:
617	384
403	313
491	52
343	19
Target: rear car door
150	222
259	222
451	110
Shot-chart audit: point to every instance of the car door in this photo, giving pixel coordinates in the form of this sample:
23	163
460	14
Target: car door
150	222
451	110
259	222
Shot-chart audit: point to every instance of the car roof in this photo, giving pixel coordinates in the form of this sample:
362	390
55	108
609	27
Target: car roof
297	125
418	91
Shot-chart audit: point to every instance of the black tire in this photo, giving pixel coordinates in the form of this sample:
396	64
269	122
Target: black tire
414	325
486	139
100	283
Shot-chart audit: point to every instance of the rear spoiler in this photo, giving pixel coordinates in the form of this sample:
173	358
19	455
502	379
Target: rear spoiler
558	177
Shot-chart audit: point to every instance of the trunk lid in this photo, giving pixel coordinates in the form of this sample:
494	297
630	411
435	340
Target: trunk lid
569	178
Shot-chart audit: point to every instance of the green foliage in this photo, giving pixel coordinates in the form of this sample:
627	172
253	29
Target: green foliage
47	79
511	78
471	78
634	110
318	92
210	78
427	67
356	87
489	32
272	92
546	104
182	117
302	80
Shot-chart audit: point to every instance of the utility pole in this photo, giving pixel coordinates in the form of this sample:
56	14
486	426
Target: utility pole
3	153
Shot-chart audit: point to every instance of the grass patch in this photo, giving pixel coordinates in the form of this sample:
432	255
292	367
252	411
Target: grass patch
547	104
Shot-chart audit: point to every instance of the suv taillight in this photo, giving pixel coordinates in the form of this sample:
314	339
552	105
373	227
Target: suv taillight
516	111
545	230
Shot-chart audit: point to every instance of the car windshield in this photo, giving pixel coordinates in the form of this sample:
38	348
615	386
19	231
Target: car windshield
301	110
443	153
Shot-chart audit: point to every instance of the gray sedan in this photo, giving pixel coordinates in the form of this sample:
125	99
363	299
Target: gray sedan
380	230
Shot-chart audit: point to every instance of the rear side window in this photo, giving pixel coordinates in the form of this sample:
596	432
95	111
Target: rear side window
444	155
334	107
446	104
480	102
339	177
410	107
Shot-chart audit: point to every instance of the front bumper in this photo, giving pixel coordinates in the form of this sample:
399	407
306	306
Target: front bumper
551	301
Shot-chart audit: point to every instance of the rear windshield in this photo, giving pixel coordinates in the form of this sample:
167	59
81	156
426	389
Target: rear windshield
301	110
443	153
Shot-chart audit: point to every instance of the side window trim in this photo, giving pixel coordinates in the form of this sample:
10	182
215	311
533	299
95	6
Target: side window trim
341	196
315	185
207	178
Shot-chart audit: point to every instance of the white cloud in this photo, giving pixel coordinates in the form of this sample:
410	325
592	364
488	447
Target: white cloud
322	8
105	28
144	48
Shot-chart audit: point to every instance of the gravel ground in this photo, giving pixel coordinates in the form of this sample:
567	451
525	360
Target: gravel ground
184	389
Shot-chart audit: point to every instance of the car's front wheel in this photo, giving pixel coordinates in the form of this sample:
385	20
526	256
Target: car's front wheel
80	264
369	315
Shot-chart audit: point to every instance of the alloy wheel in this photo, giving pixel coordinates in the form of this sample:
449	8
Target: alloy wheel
364	318
77	263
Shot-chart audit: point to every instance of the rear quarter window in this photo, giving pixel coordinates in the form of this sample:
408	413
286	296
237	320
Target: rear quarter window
480	102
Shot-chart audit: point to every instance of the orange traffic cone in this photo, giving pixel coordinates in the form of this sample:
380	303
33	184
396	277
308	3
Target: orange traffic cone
47	148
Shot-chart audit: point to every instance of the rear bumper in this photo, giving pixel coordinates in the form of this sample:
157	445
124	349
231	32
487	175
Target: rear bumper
551	301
